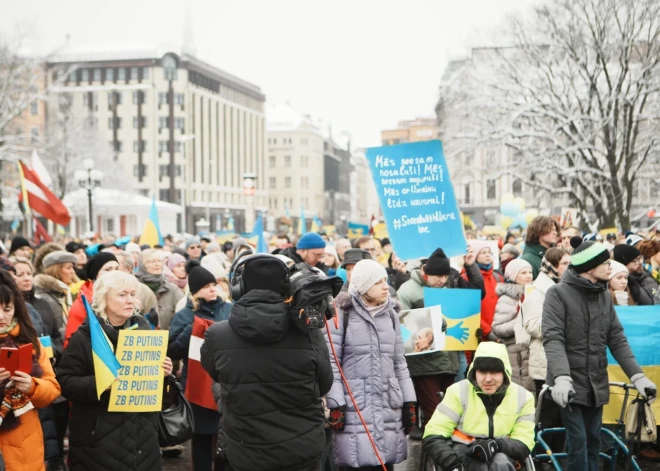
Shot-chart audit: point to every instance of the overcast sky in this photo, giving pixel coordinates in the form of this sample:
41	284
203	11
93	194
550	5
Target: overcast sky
361	64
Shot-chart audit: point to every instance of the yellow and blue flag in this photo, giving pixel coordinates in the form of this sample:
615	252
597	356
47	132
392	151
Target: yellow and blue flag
151	233
262	245
106	366
47	345
302	223
230	224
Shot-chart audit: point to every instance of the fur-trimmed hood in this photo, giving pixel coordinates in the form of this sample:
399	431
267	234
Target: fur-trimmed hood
511	290
47	283
344	301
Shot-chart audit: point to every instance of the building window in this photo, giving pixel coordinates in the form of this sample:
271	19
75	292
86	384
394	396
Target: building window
114	98
34	132
516	187
272	183
272	161
163	122
162	98
145	73
110	75
84	75
137	169
180	123
304	182
114	123
117	146
491	192
134	73
490	159
287	182
141	148
304	161
97	75
163	146
179	99
467	194
121	74
139	97
34	108
178	146
287	161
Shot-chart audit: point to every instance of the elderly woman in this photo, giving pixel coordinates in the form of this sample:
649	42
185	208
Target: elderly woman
150	272
100	439
369	346
21	436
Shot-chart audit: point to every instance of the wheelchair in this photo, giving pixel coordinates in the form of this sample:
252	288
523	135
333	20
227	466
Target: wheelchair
426	464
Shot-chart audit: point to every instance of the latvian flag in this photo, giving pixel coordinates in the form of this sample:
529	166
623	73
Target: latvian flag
198	382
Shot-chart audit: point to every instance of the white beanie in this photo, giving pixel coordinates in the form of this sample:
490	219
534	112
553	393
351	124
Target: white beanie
366	274
514	268
132	247
213	263
617	268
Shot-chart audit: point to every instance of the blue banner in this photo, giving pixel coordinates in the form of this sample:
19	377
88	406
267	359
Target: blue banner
641	325
355	230
417	199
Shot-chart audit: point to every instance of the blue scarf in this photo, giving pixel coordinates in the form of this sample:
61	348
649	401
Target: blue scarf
485	267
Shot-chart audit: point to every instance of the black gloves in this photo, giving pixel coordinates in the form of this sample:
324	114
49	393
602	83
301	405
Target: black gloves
485	450
409	412
337	418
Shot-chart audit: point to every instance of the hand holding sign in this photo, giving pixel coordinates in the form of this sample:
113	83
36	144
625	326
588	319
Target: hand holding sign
167	366
471	257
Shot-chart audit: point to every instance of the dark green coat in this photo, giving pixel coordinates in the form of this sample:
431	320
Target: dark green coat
533	254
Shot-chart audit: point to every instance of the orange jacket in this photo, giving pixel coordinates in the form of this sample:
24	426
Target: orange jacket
23	447
77	313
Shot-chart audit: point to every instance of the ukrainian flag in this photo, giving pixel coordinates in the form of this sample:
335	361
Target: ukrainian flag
262	245
47	345
302	224
106	366
151	233
230	224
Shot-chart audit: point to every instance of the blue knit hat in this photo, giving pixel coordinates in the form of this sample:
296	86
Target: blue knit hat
311	240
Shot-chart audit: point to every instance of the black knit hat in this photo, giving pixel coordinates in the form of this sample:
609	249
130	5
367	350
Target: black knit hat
490	364
198	276
588	255
625	254
265	273
73	247
437	264
18	242
95	264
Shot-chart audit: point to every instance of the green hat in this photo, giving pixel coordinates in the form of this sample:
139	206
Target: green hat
588	255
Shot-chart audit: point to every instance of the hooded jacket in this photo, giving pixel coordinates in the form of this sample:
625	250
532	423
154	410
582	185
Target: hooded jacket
507	415
372	358
272	377
642	288
534	254
102	440
206	421
579	324
411	296
532	321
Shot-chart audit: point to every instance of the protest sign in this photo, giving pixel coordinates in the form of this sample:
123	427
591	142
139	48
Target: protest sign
355	230
461	309
569	217
417	199
421	330
641	325
141	379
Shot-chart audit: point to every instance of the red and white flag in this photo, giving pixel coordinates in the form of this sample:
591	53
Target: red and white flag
198	382
41	235
40	198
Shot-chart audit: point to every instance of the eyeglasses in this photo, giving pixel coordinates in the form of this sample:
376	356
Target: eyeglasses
195	247
638	261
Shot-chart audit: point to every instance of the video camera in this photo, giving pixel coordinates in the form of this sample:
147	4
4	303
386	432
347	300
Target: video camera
312	294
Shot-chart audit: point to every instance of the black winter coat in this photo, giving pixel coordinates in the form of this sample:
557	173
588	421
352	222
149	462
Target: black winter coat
272	378
642	288
102	440
579	324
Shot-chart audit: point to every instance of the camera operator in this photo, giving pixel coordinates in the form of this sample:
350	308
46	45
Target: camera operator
272	374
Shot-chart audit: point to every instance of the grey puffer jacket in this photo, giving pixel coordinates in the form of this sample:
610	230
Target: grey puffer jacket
532	309
579	324
371	354
506	313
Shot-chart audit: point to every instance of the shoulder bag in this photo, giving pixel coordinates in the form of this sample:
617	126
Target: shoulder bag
175	421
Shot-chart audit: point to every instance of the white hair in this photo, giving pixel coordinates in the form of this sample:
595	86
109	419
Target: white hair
115	280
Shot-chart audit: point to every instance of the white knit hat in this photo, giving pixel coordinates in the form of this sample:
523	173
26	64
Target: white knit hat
514	268
213	263
617	268
366	274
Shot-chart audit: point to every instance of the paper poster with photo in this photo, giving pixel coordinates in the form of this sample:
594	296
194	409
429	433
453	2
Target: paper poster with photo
421	330
461	309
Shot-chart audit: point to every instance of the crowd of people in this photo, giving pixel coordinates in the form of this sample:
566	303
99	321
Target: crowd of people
292	396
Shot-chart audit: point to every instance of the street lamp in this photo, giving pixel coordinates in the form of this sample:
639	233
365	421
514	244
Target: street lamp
89	179
250	189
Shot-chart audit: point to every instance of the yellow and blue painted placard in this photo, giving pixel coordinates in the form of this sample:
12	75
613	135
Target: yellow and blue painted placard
641	325
461	309
141	379
417	199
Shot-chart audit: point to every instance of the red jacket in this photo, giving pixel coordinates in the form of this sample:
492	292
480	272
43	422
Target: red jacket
488	303
77	313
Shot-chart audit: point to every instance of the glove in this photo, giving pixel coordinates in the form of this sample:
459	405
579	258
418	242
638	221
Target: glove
337	418
409	413
562	390
484	450
645	387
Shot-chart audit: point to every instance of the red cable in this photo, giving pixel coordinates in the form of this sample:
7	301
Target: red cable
350	393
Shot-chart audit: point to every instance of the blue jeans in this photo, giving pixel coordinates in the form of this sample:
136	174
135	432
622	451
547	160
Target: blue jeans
582	436
462	367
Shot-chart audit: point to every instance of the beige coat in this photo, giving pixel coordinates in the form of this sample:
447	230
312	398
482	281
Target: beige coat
532	321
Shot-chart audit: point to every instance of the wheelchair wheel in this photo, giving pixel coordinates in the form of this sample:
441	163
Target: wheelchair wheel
426	463
529	464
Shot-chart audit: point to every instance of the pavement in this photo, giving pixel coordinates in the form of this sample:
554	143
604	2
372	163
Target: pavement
412	464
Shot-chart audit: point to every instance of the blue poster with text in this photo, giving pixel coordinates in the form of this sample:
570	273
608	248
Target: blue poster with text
417	199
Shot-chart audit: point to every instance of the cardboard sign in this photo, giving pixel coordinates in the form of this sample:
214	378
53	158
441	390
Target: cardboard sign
417	199
462	310
141	379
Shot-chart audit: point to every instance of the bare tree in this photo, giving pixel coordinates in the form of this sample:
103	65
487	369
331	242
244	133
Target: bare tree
576	100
